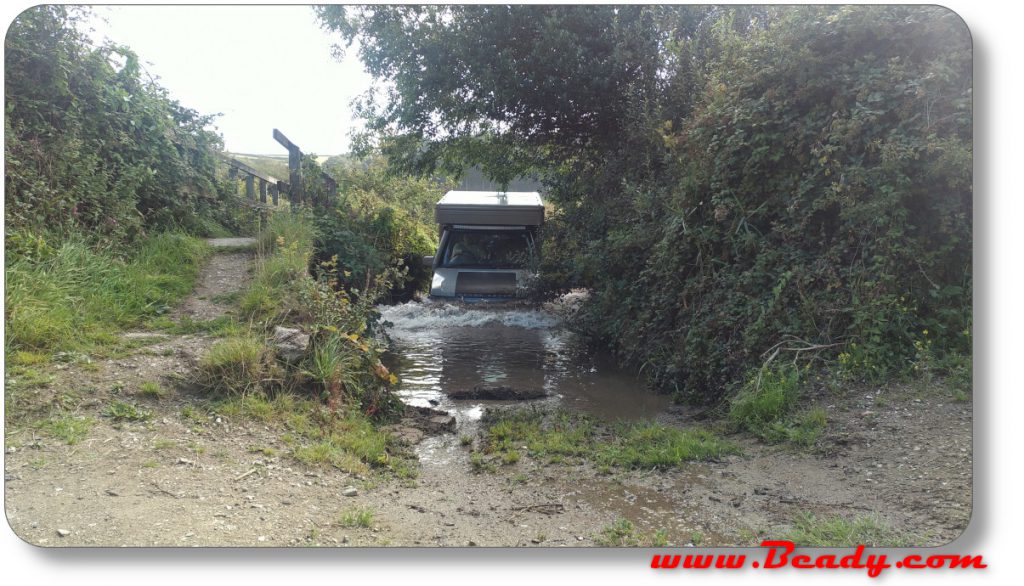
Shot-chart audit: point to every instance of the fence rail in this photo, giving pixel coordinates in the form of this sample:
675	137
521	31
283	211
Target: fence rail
267	185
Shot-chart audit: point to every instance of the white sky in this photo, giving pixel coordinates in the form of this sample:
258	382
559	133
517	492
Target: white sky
262	67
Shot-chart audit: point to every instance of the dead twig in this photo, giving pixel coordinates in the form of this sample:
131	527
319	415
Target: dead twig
251	471
165	491
545	508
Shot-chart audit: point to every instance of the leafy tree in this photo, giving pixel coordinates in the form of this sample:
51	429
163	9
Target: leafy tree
730	181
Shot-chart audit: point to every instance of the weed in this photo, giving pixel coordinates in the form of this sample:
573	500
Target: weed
67	428
28	378
465	440
357	518
623	533
746	536
222	326
697	538
121	411
164	444
404	469
808	427
556	435
268	452
327	453
27	358
190	413
479	463
660	538
766	398
150	464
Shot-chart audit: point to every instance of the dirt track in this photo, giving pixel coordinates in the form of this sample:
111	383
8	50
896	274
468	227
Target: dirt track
901	453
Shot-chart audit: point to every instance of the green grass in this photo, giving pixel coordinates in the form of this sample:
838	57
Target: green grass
283	260
544	435
652	445
346	440
81	296
766	399
556	437
358	518
67	428
22	377
222	326
768	407
811	531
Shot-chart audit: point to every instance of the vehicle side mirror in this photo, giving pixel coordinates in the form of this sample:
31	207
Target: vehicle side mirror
428	261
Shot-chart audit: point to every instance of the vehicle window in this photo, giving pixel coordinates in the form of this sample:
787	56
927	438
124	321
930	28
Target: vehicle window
479	249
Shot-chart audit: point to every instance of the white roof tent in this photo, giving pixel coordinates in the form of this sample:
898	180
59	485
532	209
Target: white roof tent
490	208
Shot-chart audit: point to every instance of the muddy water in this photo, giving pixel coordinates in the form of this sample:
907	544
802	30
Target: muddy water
444	347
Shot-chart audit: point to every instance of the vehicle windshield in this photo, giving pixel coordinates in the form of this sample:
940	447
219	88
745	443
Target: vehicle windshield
507	249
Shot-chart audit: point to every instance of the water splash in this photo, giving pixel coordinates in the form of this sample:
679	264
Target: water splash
418	316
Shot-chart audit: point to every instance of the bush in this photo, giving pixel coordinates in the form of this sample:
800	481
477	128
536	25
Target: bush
100	148
818	192
382	223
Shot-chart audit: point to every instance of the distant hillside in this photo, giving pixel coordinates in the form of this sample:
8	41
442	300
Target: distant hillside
273	165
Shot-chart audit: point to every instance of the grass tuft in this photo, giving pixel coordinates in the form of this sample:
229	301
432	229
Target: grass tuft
152	389
358	518
237	365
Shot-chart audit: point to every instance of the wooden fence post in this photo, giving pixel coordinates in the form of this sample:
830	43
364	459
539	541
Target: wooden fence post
294	169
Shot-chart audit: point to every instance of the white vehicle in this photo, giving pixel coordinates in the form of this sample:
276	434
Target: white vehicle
488	244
